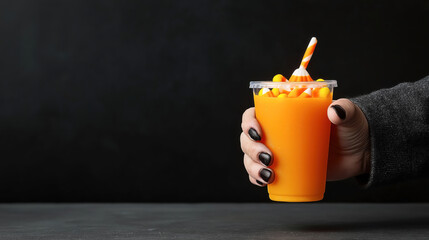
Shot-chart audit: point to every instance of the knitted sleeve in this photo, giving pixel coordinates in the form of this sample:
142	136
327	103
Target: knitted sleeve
398	121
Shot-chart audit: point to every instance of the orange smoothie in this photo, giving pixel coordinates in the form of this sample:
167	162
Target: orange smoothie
297	132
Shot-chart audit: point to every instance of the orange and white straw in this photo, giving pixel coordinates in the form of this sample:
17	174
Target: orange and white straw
301	74
309	52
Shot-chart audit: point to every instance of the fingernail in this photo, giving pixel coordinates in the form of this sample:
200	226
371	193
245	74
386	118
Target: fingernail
265	158
340	111
265	174
259	182
254	135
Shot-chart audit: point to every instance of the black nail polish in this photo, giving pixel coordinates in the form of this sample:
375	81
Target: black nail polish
265	174
265	158
259	182
254	135
340	111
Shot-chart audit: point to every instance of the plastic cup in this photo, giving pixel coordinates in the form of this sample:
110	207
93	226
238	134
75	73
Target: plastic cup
297	131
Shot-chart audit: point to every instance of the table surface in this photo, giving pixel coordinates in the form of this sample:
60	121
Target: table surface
214	221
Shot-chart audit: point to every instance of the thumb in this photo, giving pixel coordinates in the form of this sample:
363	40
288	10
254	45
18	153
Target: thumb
350	152
343	112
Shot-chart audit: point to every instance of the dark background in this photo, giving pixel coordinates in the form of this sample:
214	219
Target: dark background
142	100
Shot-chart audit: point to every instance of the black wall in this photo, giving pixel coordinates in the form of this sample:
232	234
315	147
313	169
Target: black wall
142	100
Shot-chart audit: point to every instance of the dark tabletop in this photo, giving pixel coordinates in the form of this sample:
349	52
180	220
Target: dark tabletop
214	221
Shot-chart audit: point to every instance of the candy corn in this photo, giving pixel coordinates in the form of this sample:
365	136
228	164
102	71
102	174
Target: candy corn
306	93
324	92
275	92
279	78
285	91
296	92
299	90
265	92
315	92
300	75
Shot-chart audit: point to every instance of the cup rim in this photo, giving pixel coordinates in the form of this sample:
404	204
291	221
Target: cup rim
313	84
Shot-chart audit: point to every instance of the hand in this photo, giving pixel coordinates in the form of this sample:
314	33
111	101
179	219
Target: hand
349	150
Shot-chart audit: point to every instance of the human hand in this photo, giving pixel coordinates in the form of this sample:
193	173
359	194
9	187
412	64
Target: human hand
349	149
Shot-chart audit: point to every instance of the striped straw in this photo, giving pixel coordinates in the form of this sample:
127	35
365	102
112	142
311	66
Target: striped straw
309	52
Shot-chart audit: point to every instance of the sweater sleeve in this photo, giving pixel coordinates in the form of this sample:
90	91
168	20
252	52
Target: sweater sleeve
398	121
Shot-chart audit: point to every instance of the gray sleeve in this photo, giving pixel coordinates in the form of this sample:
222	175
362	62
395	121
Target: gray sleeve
398	121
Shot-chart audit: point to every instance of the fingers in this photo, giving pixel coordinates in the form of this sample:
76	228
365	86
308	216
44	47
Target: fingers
257	182
256	155
257	172
257	151
250	125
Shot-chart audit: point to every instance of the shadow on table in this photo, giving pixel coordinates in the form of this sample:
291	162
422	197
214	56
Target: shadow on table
388	224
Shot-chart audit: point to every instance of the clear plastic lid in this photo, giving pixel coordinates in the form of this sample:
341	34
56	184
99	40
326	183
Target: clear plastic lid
270	84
